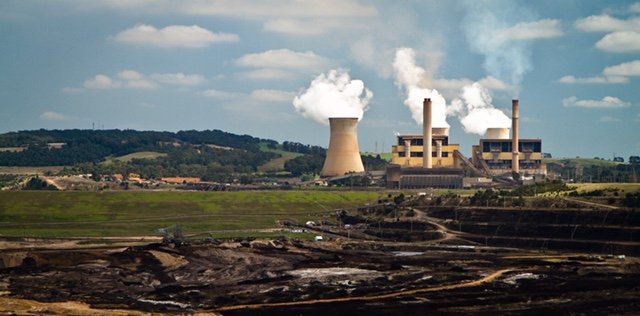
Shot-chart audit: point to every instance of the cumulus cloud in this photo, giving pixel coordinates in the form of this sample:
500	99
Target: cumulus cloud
635	8
260	96
616	74
134	80
620	42
280	8
607	102
266	95
267	74
180	79
302	27
101	82
53	116
623	37
605	23
541	29
594	80
283	58
628	69
281	64
172	36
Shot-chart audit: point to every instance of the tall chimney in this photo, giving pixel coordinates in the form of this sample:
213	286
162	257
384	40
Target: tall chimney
515	131
427	134
343	155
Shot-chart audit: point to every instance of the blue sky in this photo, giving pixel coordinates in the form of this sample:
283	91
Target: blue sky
238	65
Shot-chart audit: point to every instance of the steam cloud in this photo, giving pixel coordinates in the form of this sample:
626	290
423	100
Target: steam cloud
474	108
333	94
414	80
476	112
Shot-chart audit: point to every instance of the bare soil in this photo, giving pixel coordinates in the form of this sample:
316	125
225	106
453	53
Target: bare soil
454	267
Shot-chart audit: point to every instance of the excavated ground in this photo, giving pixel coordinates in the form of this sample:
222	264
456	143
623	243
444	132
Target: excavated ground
443	271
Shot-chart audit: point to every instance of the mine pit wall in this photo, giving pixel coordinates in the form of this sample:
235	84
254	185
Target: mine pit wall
604	232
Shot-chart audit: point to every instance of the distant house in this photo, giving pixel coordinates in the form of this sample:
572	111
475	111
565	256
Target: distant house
180	180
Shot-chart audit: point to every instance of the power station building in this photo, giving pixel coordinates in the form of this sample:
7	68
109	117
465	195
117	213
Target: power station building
409	150
496	155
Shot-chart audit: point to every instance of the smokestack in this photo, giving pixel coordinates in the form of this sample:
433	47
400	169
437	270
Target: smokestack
515	163
427	136
343	155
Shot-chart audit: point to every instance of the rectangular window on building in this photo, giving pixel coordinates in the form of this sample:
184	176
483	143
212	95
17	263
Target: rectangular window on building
416	154
402	154
445	154
486	147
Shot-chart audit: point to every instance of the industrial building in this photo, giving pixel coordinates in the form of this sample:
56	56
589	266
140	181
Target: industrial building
409	149
496	155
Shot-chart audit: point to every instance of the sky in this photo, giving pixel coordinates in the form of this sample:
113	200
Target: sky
278	69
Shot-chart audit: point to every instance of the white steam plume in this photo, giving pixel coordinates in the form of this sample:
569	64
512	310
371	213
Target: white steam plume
333	94
476	112
414	80
484	24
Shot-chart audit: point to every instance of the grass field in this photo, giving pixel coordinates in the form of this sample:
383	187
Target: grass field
626	187
137	155
105	214
582	161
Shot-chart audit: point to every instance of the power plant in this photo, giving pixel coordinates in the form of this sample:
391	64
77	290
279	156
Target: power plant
343	155
430	160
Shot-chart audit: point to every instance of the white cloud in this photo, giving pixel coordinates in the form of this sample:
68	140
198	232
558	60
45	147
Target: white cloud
101	82
283	58
628	69
610	119
594	80
606	23
607	102
53	116
635	8
620	42
131	79
267	9
302	27
222	95
541	29
260	96
264	95
178	79
172	36
267	74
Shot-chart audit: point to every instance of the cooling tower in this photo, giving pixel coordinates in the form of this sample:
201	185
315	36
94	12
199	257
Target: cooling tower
440	131
343	155
515	163
427	134
497	133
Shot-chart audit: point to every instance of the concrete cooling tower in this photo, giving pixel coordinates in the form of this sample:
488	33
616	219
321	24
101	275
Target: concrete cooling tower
497	133
343	155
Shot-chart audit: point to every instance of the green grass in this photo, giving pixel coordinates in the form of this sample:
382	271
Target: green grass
276	164
137	155
386	156
585	187
75	214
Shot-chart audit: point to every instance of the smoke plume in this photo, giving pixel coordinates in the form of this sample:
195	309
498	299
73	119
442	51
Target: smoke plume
476	112
333	94
503	32
415	81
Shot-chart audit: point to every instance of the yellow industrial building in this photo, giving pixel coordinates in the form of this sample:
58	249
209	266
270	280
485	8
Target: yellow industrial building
409	149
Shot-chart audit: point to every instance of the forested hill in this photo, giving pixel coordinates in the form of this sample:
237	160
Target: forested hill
70	147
